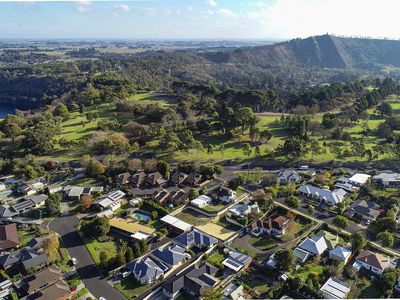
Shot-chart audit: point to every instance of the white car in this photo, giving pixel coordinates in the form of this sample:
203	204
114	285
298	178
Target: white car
102	298
74	261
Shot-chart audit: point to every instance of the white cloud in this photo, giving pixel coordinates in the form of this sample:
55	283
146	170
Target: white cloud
149	11
212	3
123	8
226	13
189	8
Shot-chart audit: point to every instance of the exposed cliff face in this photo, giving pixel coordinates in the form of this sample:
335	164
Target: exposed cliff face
320	51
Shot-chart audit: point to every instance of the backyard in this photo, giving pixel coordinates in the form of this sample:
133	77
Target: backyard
262	243
130	288
95	248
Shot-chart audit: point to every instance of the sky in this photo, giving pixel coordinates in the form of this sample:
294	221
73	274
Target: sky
199	19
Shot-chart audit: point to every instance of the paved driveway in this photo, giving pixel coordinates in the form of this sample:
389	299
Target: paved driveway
87	269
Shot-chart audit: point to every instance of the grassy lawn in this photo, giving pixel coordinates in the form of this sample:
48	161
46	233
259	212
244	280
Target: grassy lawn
130	288
193	217
216	258
25	235
262	243
213	208
310	268
74	280
95	248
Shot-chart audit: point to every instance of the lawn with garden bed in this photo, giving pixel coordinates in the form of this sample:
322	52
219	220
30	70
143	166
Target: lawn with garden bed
130	288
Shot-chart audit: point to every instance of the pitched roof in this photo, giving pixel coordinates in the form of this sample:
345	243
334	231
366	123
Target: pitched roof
373	259
171	255
58	290
197	238
317	245
147	267
365	208
341	252
330	239
8	236
130	226
335	289
27	256
32	283
336	196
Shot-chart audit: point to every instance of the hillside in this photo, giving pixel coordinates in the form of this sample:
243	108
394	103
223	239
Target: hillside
319	51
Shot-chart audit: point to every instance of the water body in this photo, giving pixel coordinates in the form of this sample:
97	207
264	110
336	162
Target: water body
6	109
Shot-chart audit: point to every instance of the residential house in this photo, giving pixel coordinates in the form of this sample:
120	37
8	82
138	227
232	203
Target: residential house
160	196
242	210
28	204
234	292
201	201
316	245
112	200
193	179
344	183
287	176
359	179
225	194
324	195
36	282
54	188
301	255
8	236
171	255
340	254
147	270
373	262
57	291
177	178
196	238
124	178
335	289
195	281
131	228
237	261
135	202
138	179
154	180
387	179
174	224
74	193
275	226
31	187
362	209
7	212
178	197
38	200
23	259
331	239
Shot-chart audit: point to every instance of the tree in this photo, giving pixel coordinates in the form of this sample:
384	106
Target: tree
96	227
86	201
285	259
193	193
129	256
294	146
358	242
386	238
164	168
246	149
51	246
53	204
154	215
296	283
94	168
340	222
62	111
105	258
257	150
329	120
212	294
310	209
292	201
387	281
385	109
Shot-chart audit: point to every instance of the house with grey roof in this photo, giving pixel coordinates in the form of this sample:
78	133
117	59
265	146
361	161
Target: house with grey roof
147	270
196	238
287	176
237	261
23	259
7	212
324	195
316	245
387	179
364	210
172	255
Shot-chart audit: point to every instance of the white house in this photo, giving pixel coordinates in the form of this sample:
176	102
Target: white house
335	289
201	201
316	245
287	176
242	210
387	179
111	200
340	253
359	179
147	270
373	262
329	197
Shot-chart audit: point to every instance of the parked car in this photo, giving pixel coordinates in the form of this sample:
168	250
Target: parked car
74	261
73	289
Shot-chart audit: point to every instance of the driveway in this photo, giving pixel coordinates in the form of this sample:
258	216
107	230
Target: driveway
87	269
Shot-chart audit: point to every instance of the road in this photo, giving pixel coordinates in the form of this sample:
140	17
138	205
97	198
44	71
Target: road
87	269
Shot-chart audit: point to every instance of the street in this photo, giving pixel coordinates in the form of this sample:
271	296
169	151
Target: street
86	268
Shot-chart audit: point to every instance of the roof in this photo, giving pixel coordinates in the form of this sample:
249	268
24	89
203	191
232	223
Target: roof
32	283
147	267
236	260
317	245
359	178
200	278
130	226
373	259
336	196
196	238
365	208
26	255
387	177
58	290
288	173
171	255
175	222
7	211
35	261
37	199
341	252
335	289
279	221
330	239
8	236
114	195
23	205
201	200
75	191
300	253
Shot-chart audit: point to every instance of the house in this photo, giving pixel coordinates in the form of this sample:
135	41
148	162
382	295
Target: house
324	195
8	237
171	255
147	270
131	228
340	254
30	187
24	206
234	292
7	212
54	188
124	178
371	261
38	200
275	226
201	201
193	179
387	179
287	176
2	187
242	210
154	180
57	291
194	282
160	196
112	200
175	224
330	239
135	202
23	259
359	179
344	183
178	197
364	210
177	178
237	261
36	282
138	179
196	238
316	245
73	193
301	255
225	194
335	289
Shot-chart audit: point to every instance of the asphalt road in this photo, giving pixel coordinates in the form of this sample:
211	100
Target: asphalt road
87	269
